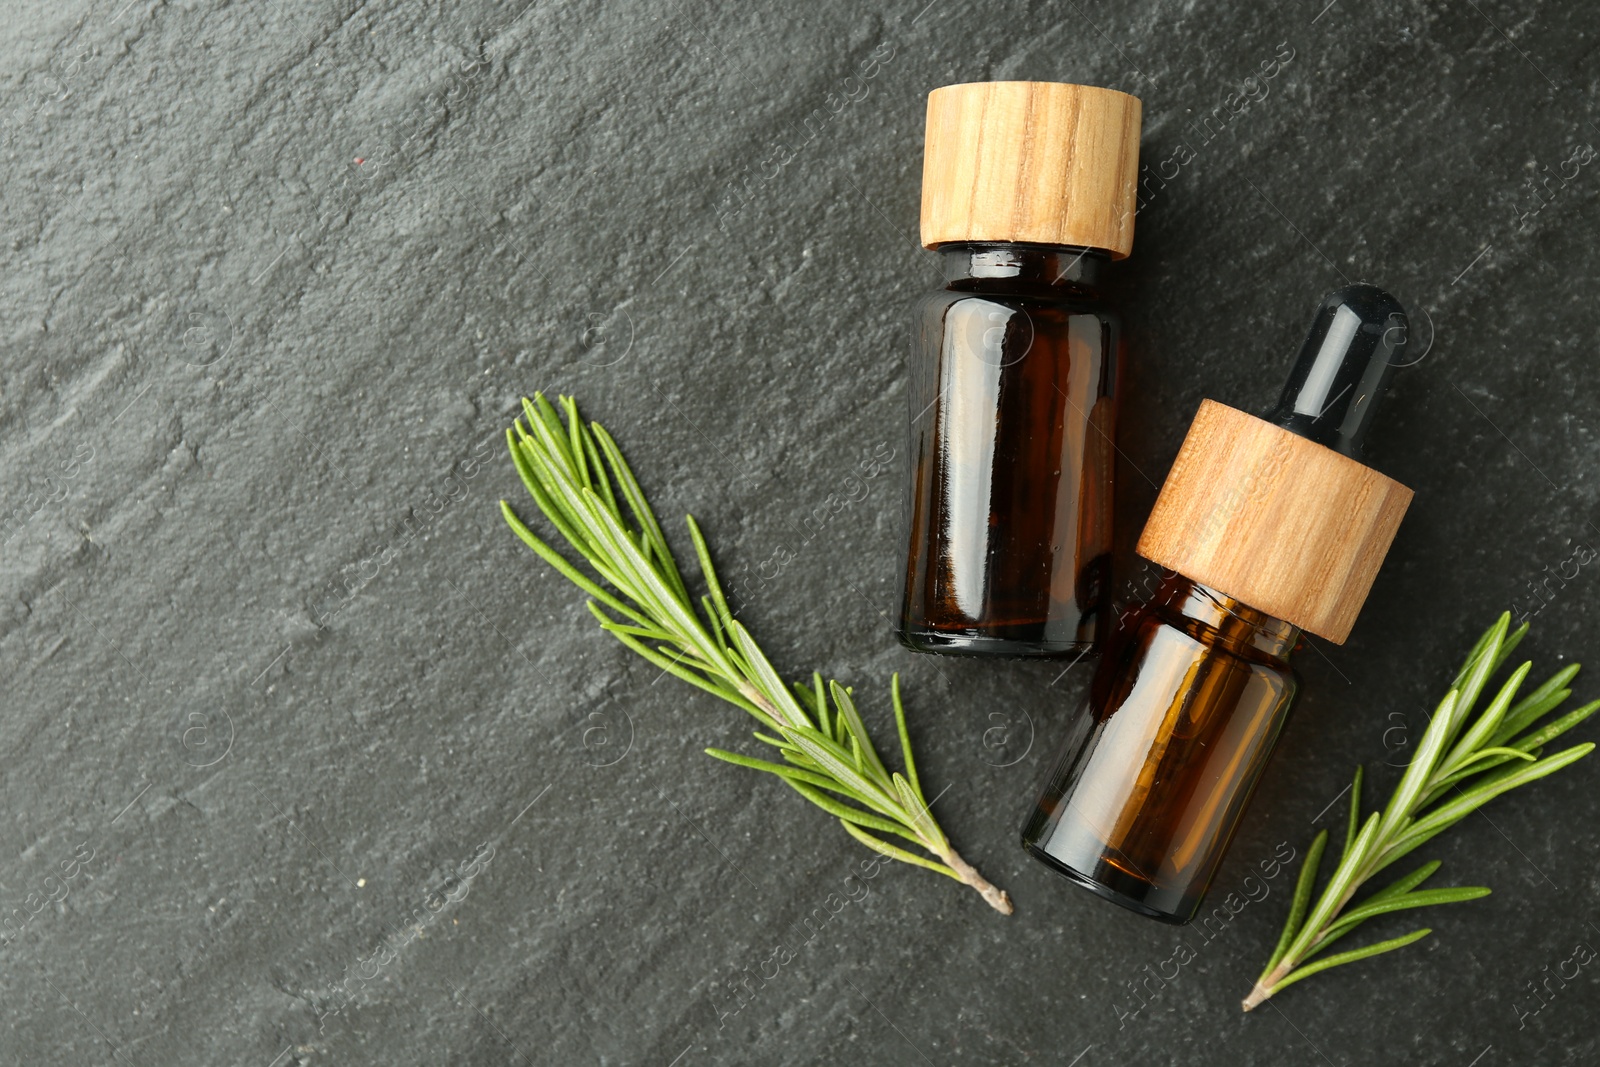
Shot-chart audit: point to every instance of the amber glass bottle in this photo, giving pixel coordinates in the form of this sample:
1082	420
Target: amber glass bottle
1266	527
1027	197
1014	407
1147	799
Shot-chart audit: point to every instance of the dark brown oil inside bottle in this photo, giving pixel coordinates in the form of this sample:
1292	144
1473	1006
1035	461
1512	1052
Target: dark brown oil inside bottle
1013	405
1183	712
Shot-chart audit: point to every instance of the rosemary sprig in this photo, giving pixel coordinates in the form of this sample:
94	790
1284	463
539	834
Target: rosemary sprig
1456	770
579	479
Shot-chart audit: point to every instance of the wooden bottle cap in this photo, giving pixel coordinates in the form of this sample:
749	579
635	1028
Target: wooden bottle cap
1039	162
1284	524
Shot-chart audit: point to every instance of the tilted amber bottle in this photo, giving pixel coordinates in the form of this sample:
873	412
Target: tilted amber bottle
1266	527
1028	195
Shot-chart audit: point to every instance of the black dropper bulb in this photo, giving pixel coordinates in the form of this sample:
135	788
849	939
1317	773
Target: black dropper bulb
1356	342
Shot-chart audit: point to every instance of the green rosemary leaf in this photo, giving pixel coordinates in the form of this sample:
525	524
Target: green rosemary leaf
641	509
600	481
1498	641
846	813
563	506
1302	898
1477	673
1397	850
868	760
1337	891
545	425
1405	884
708	573
1550	731
859	803
567	570
1488	778
1421	767
807	698
1355	815
1508	753
1478	735
519	459
560	485
797	756
1483	760
1488	787
799	759
632	573
717	633
547	480
1478	649
1400	902
1516	721
1536	704
1471	800
684	658
830	726
905	736
643	633
578	478
836	763
575	441
921	819
765	676
530	465
652	588
1350	957
886	849
750	761
677	670
815	781
1509	645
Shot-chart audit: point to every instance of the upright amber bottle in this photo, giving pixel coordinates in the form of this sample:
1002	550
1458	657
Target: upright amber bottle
1028	195
1267	527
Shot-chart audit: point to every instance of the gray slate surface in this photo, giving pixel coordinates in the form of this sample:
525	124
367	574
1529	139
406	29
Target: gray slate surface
276	272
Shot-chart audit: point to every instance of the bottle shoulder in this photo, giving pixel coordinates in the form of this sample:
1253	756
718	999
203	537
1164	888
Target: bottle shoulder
1061	301
1238	641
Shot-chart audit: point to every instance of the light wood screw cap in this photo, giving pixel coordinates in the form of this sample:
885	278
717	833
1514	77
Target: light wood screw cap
1284	524
1039	162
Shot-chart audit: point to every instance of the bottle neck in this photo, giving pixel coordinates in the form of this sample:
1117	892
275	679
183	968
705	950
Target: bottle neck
1356	343
1210	615
1055	269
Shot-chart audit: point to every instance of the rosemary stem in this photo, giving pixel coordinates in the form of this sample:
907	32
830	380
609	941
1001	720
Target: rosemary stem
1263	988
774	718
998	899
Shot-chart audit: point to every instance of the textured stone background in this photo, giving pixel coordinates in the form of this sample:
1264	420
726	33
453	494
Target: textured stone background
274	274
